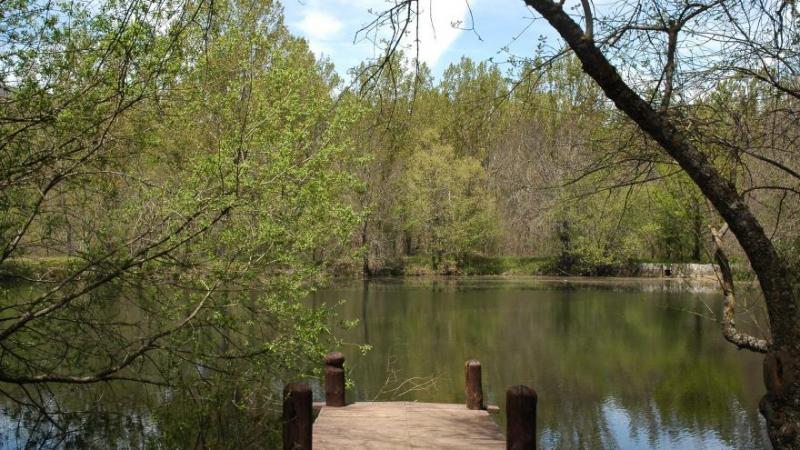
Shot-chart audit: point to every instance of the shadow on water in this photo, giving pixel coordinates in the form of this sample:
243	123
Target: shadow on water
616	364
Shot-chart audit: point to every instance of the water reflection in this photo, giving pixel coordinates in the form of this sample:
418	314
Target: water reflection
193	397
615	365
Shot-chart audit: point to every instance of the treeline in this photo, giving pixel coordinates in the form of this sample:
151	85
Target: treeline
531	170
525	169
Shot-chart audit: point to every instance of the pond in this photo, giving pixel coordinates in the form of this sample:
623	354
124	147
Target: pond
616	364
625	364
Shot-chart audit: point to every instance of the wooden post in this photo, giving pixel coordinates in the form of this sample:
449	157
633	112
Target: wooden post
297	417
334	379
521	416
473	390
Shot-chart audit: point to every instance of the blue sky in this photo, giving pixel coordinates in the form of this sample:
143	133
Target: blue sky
330	27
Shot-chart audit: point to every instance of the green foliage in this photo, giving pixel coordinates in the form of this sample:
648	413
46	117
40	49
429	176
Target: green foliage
446	204
478	166
609	232
474	110
191	164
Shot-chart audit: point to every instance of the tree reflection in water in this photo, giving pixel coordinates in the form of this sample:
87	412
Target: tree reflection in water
630	365
615	366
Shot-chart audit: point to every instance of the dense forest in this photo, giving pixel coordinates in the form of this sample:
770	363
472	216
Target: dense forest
196	162
485	165
537	165
528	169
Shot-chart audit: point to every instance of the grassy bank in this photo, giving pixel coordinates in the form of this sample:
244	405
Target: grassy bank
472	265
477	265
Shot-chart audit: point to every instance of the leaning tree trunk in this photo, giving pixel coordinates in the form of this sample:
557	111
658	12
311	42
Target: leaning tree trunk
781	404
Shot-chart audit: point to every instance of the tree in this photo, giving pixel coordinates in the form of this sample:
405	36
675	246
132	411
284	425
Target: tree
474	93
752	41
446	205
385	135
187	163
781	404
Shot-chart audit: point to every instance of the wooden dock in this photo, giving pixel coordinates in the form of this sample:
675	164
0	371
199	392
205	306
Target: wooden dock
402	424
405	425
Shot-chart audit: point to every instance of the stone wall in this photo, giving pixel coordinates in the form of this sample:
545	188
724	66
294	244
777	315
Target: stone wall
676	270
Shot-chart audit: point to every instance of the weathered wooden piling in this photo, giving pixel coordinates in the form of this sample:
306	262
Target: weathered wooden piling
297	417
521	416
399	424
473	391
334	379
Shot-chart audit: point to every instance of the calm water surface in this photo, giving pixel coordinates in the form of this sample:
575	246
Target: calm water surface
624	365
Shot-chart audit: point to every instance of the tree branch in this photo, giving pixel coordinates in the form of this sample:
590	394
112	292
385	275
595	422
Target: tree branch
109	373
725	277
770	268
587	13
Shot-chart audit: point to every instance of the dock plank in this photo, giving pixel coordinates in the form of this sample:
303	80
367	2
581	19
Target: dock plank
405	425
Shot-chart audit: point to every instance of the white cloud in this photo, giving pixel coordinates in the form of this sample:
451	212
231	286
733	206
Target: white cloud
319	26
330	26
436	30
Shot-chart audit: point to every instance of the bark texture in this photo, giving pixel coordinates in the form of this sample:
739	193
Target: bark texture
781	405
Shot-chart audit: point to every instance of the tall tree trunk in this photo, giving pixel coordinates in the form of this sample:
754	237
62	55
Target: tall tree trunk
365	244
781	404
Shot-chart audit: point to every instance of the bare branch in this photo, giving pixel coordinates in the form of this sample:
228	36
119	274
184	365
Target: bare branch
729	331
587	14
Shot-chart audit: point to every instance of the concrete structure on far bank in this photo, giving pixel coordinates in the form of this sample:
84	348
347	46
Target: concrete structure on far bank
677	270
